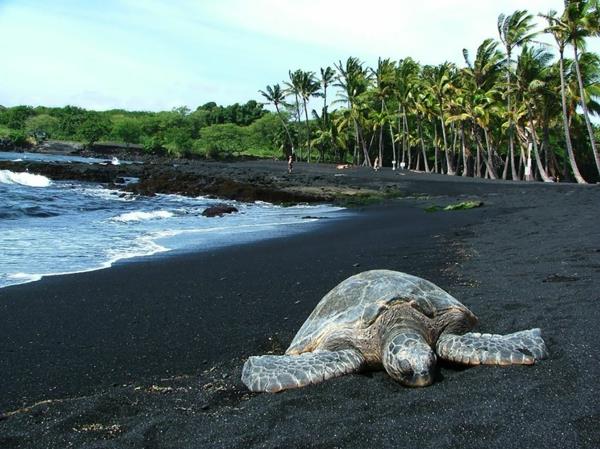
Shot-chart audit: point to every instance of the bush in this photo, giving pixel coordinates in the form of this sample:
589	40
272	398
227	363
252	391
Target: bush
19	139
221	141
153	145
177	141
41	126
127	129
16	116
94	128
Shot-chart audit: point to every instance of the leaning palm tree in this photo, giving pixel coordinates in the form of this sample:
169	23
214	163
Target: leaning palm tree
274	94
589	64
557	30
515	30
580	20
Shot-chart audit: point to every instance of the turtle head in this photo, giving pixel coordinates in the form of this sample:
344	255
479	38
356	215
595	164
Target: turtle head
408	358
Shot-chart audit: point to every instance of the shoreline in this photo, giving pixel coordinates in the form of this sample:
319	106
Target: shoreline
161	251
217	263
149	354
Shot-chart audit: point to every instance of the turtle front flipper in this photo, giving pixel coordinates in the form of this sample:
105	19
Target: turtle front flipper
273	373
519	348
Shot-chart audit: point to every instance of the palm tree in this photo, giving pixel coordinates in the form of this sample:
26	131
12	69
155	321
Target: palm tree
353	81
441	84
293	87
327	77
480	83
557	30
406	78
530	81
309	87
275	95
515	30
383	89
580	20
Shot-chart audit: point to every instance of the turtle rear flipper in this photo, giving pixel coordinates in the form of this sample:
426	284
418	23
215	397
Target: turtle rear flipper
273	373
519	348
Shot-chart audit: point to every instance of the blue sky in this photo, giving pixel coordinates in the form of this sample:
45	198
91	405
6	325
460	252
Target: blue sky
158	54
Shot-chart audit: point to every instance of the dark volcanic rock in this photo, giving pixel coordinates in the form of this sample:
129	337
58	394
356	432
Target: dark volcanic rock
219	210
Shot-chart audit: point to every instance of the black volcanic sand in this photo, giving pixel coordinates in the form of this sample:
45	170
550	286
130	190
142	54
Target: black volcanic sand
148	354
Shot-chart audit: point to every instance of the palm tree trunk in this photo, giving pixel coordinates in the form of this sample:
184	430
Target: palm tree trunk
586	114
363	143
448	163
506	162
401	127
381	145
570	152
324	117
490	161
425	162
465	171
356	157
511	140
406	135
308	143
513	169
287	131
521	170
394	155
437	148
298	122
484	154
477	169
538	159
455	163
381	134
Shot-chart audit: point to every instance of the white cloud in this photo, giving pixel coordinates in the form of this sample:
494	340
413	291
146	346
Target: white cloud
157	54
429	30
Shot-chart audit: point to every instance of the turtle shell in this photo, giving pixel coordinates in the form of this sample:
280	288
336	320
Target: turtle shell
358	301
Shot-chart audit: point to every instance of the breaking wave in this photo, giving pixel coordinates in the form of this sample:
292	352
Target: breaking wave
24	179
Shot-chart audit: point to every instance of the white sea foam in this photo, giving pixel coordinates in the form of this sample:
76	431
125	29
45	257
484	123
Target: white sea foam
140	216
27	277
23	178
143	246
108	194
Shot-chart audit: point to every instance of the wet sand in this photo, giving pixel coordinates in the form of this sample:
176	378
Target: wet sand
149	354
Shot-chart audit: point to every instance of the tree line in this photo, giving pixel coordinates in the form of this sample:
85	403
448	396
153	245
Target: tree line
210	131
517	108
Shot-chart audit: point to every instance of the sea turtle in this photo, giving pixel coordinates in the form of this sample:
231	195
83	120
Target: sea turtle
391	319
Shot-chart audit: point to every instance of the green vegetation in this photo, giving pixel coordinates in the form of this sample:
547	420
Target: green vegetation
463	205
210	131
515	110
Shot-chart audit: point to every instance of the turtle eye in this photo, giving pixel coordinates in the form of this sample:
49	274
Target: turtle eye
406	368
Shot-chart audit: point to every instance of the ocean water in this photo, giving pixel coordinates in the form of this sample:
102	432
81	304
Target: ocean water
42	157
57	227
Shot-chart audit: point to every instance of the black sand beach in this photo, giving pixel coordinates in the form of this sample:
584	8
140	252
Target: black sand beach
149	354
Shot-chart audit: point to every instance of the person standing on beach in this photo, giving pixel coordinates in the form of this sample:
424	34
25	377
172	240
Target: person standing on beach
290	163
